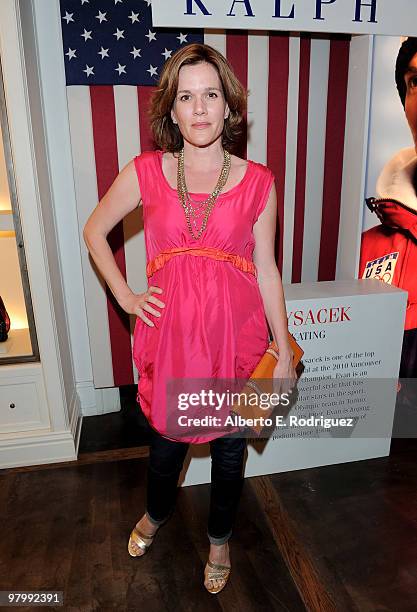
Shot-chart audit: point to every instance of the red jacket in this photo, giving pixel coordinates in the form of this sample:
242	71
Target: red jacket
389	250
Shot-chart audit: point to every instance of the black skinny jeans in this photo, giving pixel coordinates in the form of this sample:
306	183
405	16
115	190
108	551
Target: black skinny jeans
166	459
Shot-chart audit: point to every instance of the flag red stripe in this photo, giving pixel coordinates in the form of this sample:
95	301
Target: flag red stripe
105	151
144	98
333	165
237	55
300	183
279	67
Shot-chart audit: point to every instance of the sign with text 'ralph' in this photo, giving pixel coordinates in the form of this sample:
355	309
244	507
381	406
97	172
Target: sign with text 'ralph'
388	17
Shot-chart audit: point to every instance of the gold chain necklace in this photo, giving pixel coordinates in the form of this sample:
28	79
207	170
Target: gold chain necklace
195	209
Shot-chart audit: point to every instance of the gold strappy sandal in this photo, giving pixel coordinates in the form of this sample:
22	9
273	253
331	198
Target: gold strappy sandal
137	537
216	572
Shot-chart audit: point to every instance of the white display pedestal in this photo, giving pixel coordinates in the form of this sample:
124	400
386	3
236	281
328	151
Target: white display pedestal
351	333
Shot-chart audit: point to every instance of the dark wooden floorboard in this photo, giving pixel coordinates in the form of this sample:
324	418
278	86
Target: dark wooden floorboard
317	593
124	429
67	529
359	522
337	538
260	577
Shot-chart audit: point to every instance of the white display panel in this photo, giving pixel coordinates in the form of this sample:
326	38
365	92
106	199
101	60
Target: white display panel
342	328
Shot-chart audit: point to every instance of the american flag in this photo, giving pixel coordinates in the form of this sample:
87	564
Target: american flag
296	125
113	42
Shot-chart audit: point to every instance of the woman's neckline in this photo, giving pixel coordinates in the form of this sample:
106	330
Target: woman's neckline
223	193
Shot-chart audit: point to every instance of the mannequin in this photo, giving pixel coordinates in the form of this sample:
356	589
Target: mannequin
389	250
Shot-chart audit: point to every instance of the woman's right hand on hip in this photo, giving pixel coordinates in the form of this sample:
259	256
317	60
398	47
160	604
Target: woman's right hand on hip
139	304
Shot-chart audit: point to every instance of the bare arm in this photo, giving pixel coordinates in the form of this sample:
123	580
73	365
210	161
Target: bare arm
269	278
270	286
122	197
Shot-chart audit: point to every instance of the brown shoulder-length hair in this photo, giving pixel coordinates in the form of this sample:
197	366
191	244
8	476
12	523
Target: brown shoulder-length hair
166	134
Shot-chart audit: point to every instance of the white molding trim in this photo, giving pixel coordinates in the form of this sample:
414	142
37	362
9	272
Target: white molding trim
76	418
98	401
20	450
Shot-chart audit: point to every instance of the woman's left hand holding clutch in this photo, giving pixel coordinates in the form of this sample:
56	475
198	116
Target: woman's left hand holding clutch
285	376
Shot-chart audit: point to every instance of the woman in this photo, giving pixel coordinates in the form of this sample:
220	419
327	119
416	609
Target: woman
209	220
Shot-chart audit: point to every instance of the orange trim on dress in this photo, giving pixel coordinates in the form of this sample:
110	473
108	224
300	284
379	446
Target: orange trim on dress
237	260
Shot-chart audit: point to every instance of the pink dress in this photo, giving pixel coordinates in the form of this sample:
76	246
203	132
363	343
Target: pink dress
213	324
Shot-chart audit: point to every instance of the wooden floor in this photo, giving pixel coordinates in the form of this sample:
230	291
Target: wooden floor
335	538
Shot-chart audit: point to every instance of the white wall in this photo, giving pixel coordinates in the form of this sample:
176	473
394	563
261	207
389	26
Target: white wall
47	33
46	198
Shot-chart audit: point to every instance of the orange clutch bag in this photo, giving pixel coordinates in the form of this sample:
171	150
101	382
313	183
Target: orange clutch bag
263	373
